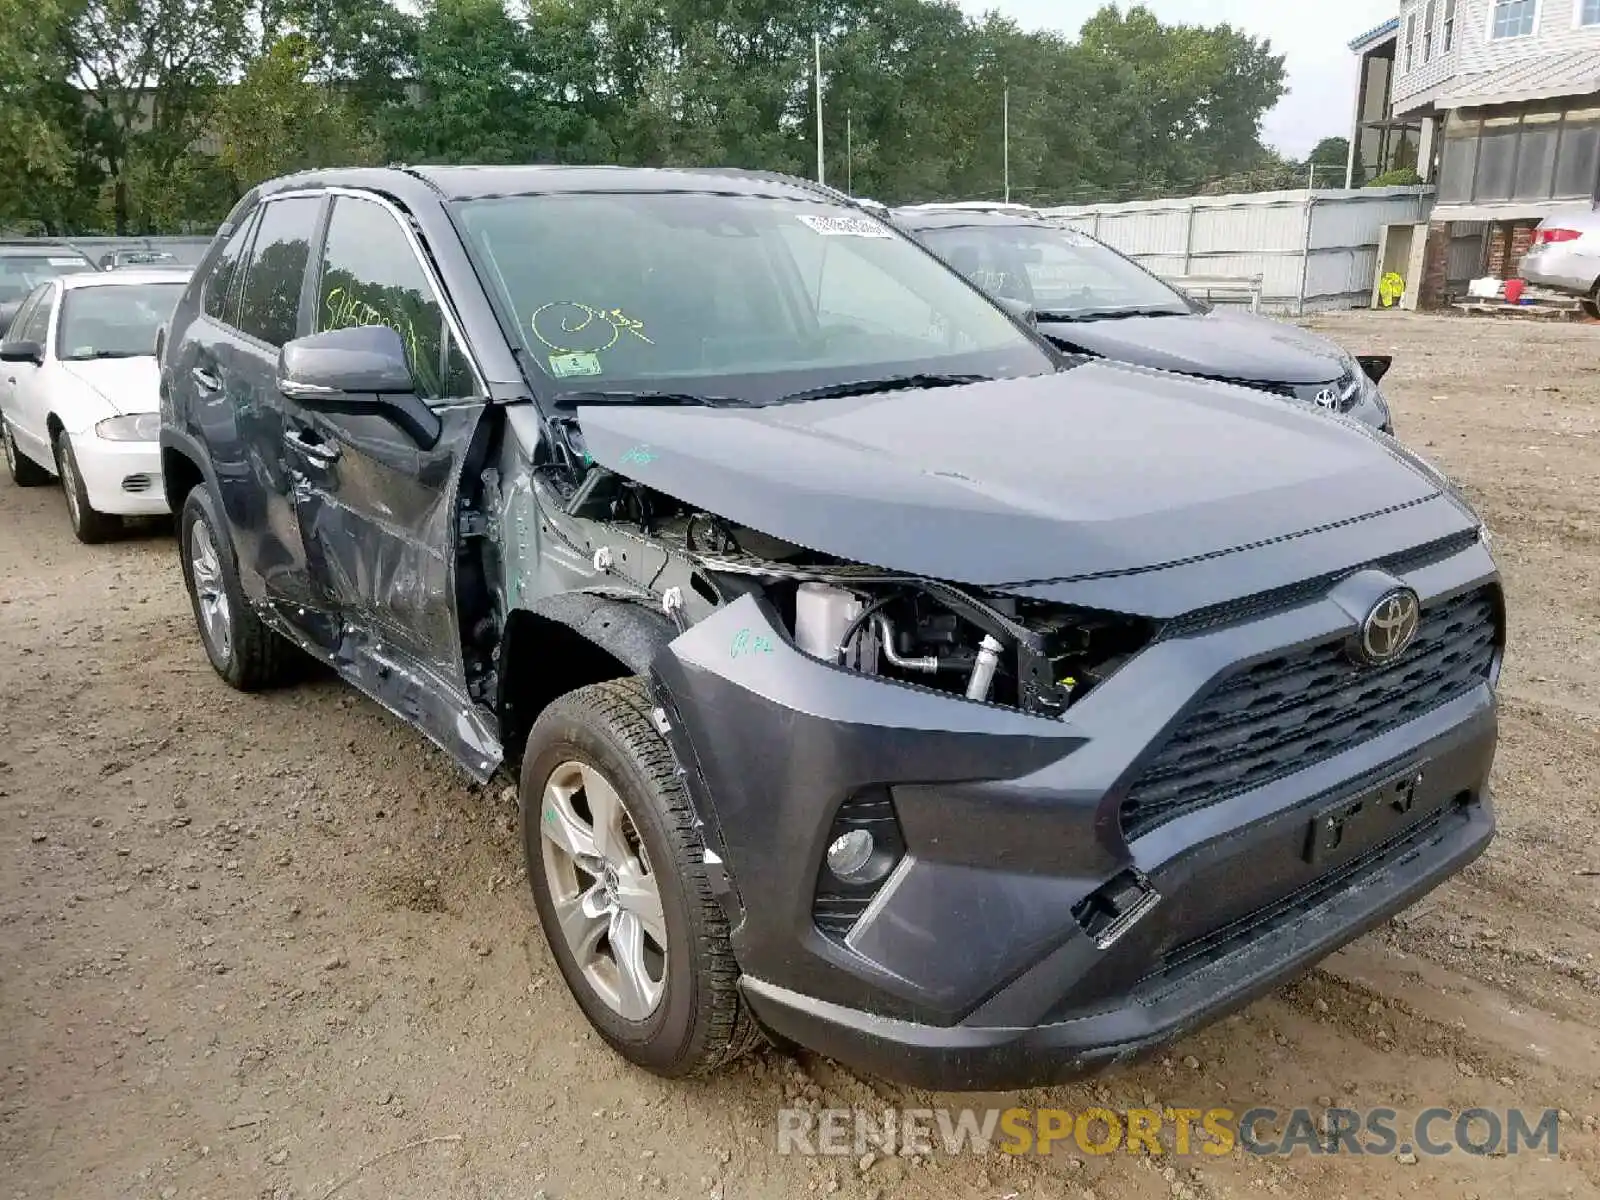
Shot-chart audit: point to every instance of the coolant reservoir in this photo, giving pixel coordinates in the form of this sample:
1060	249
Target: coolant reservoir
822	615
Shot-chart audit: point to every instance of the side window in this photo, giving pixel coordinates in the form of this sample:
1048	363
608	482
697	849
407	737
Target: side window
219	286
19	321
370	275
38	327
269	305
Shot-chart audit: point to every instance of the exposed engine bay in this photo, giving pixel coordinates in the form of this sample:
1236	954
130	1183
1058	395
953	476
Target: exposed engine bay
649	547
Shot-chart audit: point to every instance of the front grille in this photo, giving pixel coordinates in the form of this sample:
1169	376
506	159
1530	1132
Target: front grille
1285	713
136	483
1346	389
1259	604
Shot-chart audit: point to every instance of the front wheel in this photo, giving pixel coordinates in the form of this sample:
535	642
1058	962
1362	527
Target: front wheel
89	524
619	881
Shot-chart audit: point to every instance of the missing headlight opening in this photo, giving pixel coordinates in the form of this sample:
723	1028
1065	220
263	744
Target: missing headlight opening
1024	654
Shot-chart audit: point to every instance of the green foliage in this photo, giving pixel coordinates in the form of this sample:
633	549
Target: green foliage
148	114
1399	177
1331	152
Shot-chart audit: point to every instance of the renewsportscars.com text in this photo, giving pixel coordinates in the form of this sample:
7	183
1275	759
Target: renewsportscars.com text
1167	1131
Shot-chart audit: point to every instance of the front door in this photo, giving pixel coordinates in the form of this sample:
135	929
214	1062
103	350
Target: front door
377	511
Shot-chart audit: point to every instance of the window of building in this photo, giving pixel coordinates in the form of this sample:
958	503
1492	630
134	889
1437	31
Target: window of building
269	306
1513	18
1589	12
1538	152
1411	43
1449	25
1428	16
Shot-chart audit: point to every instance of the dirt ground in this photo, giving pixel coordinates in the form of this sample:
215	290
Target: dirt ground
277	947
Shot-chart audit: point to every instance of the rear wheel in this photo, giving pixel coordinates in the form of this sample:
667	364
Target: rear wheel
247	654
23	470
619	880
1591	303
88	523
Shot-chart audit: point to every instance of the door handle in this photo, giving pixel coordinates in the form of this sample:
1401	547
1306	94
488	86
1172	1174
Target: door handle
207	381
321	453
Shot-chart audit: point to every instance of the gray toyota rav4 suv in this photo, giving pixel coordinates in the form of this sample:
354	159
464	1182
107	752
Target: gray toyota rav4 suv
879	677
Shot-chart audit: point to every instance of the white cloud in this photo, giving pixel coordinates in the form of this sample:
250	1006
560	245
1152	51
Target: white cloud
1314	36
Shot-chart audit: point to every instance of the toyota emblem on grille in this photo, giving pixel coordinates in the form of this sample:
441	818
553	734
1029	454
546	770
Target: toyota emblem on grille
1390	627
1327	398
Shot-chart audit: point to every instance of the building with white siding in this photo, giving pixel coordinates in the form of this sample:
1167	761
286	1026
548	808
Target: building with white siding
1504	96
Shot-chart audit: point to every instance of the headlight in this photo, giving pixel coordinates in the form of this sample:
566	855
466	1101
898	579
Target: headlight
143	427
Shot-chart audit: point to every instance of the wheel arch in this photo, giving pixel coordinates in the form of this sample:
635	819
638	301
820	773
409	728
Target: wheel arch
563	642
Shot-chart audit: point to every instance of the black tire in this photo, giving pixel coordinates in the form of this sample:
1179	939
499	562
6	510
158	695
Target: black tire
89	524
1591	303
254	657
23	470
700	1023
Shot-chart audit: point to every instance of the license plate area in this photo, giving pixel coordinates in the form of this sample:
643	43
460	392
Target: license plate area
1350	825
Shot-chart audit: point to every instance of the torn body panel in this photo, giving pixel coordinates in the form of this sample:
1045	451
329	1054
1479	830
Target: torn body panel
378	519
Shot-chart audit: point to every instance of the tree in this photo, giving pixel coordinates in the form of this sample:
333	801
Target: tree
275	120
1330	152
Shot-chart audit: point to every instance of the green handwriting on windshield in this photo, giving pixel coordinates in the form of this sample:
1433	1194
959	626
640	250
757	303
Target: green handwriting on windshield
569	327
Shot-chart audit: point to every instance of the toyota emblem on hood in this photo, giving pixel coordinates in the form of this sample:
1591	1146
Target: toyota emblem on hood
1390	628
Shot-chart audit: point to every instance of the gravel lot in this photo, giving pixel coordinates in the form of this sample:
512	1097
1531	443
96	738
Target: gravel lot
248	945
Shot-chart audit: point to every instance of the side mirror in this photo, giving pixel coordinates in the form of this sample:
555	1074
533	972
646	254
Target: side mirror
1376	366
362	369
1020	309
22	352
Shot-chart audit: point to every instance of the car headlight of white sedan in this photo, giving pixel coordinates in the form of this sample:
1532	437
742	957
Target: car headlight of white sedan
138	427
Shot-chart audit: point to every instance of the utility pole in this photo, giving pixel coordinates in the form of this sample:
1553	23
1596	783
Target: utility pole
817	46
849	153
1005	123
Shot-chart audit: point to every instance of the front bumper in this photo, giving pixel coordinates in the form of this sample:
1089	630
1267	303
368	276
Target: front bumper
122	478
968	968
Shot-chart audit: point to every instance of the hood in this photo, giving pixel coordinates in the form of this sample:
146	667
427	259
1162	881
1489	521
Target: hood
1220	344
129	385
1101	469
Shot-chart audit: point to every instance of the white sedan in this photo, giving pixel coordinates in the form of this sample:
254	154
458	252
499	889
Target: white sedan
78	393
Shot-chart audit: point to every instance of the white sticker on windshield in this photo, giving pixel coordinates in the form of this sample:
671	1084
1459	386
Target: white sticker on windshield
65	262
846	227
565	366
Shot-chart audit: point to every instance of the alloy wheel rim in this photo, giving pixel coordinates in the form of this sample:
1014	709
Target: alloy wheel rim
606	898
11	447
206	569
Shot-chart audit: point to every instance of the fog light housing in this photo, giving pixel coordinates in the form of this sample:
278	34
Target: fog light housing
849	854
863	848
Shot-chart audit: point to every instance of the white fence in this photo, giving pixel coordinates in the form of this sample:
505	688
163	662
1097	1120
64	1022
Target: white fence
1312	250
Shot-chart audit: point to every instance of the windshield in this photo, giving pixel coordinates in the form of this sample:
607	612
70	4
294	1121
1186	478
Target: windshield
744	297
1054	269
114	320
21	273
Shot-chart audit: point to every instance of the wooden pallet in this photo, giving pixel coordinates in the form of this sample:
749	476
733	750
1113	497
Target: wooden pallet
1558	309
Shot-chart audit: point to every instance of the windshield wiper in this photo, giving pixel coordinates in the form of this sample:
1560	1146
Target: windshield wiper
1110	314
109	354
888	383
578	399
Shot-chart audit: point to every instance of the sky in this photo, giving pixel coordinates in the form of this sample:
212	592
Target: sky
1314	36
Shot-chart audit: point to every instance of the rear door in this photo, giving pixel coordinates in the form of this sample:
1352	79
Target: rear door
10	399
29	406
254	304
377	511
